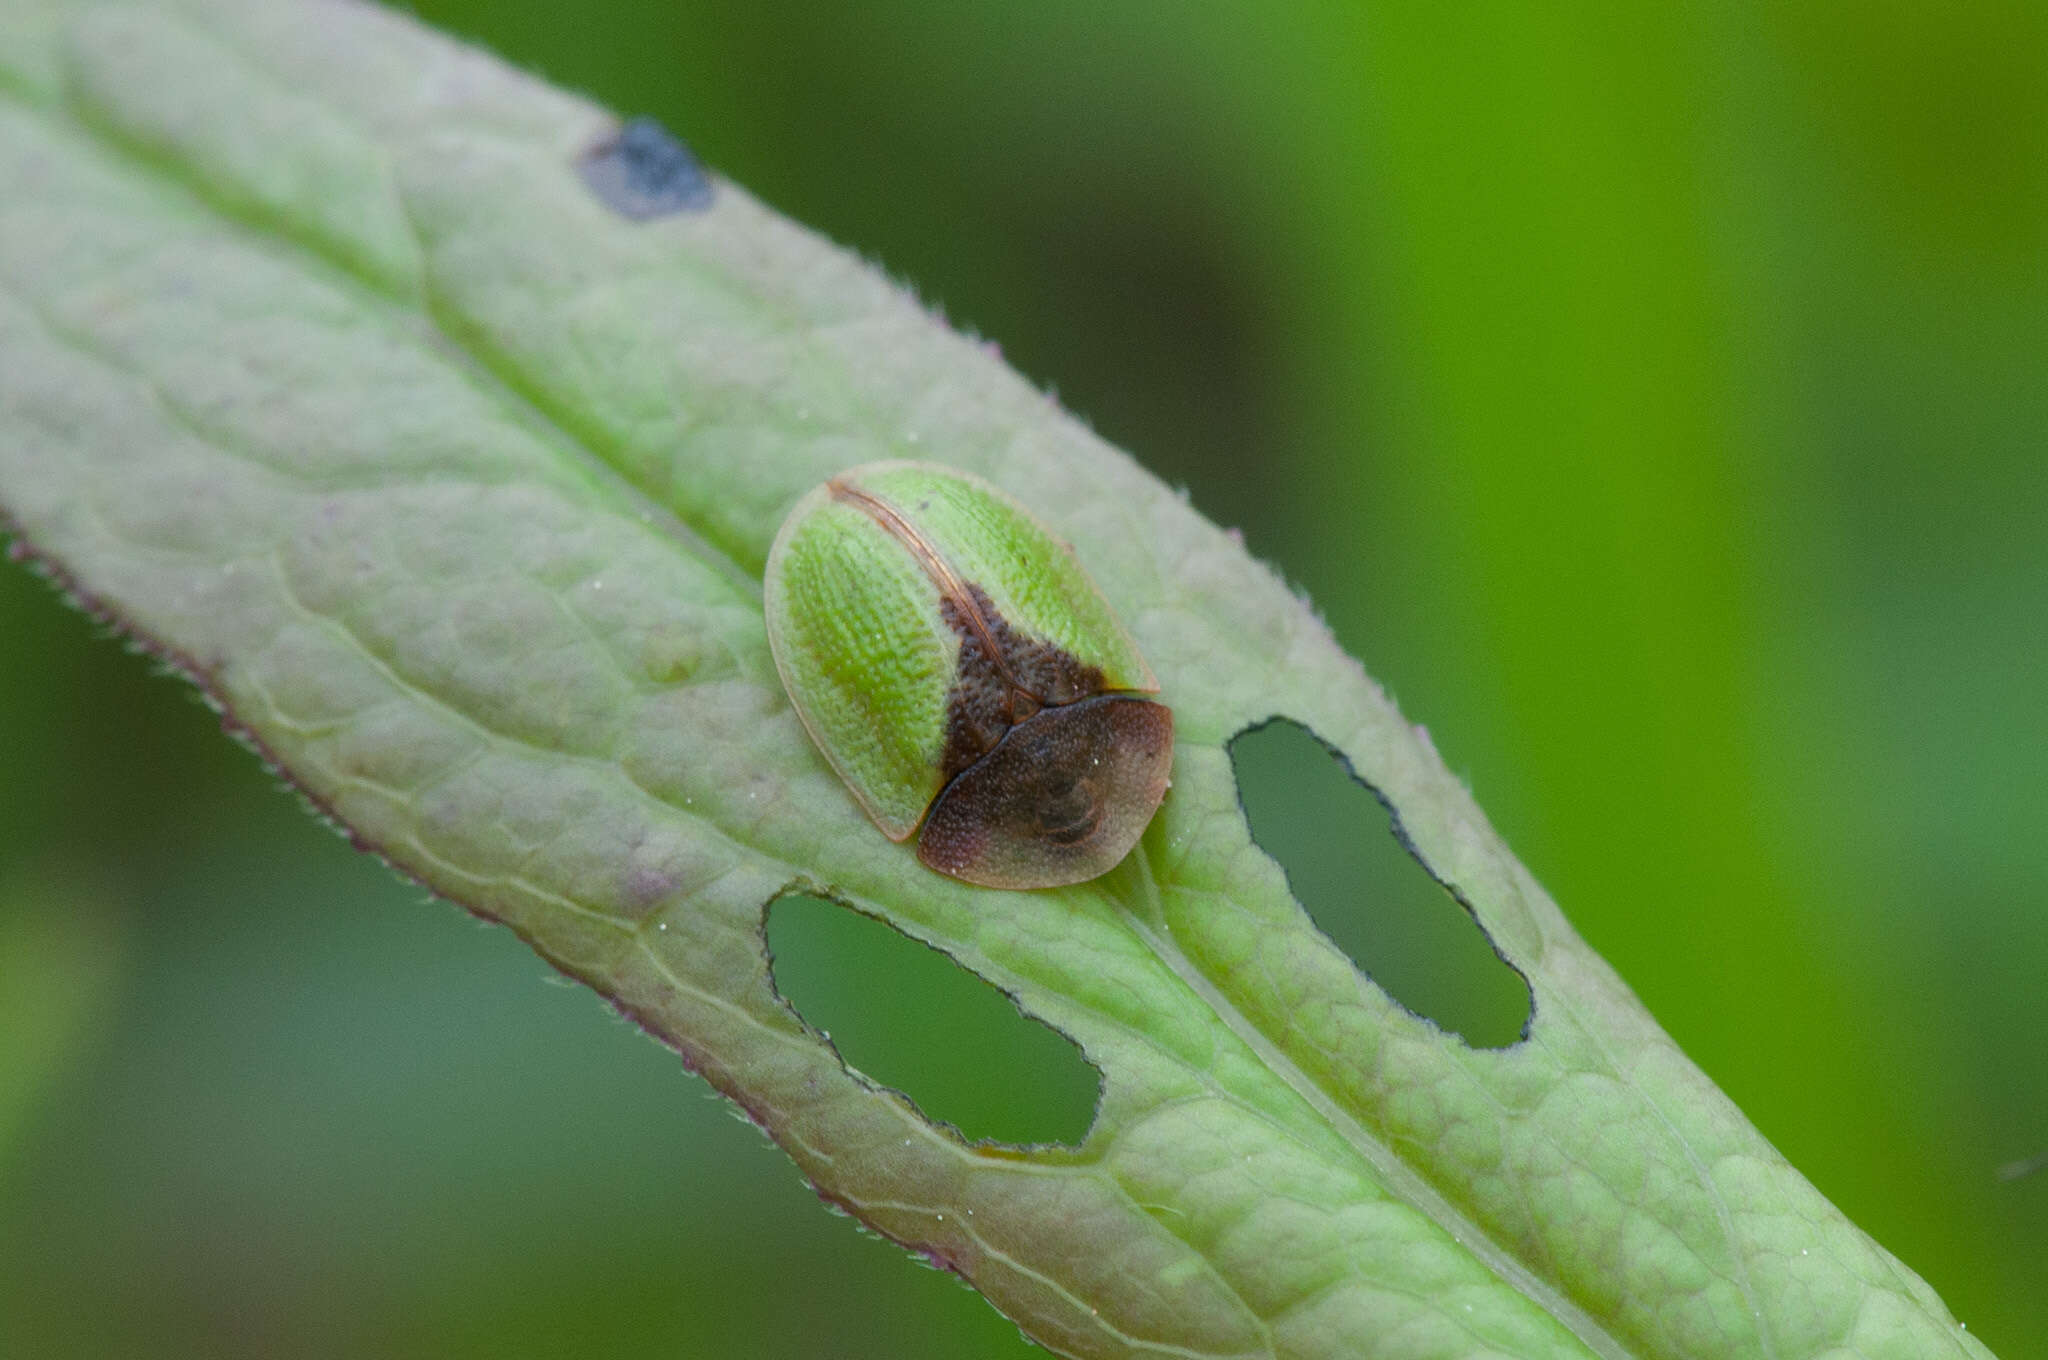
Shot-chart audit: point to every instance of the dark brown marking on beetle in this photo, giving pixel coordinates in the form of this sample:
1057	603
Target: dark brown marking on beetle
1046	784
1002	677
1062	797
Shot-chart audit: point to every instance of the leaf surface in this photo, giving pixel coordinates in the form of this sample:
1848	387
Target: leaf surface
325	372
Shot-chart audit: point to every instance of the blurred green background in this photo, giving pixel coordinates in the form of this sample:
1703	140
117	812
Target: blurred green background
1654	397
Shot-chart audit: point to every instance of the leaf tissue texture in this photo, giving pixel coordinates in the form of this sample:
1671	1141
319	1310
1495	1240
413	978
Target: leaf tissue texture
325	373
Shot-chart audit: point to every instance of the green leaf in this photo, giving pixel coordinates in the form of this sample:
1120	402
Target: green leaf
326	374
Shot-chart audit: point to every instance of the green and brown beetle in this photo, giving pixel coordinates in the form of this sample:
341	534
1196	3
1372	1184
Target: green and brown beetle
966	679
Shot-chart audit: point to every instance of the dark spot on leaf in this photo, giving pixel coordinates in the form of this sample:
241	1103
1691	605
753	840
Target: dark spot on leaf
907	1017
1371	893
646	886
645	172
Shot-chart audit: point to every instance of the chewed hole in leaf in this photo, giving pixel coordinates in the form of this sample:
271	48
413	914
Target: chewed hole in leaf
906	1016
1367	891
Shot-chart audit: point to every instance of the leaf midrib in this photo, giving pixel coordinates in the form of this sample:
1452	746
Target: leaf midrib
1395	1176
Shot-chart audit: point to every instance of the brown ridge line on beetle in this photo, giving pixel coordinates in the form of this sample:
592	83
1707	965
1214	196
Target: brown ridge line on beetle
934	563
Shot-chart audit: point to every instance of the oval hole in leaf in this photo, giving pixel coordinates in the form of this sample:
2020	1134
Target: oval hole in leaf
1368	892
906	1016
